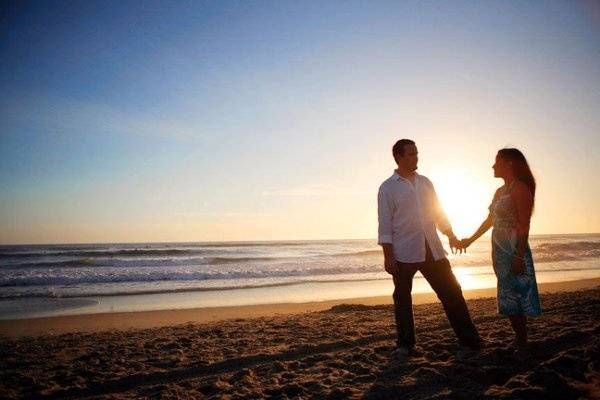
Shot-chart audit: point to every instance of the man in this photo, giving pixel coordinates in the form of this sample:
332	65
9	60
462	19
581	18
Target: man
409	212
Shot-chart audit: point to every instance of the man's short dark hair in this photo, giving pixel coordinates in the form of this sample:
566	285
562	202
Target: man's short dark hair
398	149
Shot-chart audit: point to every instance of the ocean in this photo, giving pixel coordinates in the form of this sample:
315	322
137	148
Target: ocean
44	280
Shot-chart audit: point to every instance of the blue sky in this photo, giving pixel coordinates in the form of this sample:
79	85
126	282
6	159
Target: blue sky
168	121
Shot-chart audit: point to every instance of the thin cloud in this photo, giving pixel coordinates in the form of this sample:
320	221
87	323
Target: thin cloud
315	190
245	215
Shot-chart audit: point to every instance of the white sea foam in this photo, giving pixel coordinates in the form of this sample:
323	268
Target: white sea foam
121	268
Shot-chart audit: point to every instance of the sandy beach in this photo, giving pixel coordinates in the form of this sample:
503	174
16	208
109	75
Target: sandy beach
332	350
223	200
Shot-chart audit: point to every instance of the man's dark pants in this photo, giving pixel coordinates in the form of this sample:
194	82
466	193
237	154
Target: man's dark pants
446	287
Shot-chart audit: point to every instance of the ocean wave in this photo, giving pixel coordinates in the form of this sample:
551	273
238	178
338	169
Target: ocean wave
75	263
141	263
539	256
234	260
566	251
103	260
171	258
112	276
105	253
377	252
271	244
58	294
48	291
581	246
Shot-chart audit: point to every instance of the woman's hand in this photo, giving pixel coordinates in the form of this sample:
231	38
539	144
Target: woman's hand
518	265
465	242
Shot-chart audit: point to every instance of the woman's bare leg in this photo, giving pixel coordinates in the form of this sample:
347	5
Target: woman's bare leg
519	325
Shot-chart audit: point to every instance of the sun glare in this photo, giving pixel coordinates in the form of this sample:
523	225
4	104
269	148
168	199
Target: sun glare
464	278
465	199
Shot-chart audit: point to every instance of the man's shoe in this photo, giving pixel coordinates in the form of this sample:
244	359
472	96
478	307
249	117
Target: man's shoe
402	353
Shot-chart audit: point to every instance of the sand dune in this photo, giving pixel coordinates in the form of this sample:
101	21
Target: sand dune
339	353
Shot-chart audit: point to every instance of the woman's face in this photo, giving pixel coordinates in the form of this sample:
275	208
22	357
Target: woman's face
500	167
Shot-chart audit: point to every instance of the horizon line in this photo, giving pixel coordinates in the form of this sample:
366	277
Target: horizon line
257	240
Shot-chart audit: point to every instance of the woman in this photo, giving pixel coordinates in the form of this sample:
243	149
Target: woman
510	213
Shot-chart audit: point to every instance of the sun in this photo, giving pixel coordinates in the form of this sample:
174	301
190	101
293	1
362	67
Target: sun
465	198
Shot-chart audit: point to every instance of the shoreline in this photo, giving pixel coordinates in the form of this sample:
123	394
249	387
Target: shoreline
159	318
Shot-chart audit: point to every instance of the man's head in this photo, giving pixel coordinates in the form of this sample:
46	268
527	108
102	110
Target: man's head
406	155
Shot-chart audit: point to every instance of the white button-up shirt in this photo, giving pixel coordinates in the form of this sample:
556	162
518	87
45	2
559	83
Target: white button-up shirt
408	215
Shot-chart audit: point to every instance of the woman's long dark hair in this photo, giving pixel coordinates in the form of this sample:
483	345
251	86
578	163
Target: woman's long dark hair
520	167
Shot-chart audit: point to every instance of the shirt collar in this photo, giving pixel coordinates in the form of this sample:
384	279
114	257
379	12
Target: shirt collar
398	177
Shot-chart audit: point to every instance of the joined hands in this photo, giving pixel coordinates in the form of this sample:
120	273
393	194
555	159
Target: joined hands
459	246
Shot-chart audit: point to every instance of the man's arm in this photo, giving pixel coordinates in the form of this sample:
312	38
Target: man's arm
385	213
389	260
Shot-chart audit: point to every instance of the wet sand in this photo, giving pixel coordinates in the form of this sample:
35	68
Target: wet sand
151	319
338	352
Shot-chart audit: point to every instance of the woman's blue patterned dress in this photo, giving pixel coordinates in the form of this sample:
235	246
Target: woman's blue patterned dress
517	294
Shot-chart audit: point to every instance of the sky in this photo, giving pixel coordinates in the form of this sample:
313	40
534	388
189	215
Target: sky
152	121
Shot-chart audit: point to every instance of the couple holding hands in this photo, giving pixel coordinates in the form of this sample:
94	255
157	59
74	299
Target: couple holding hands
409	215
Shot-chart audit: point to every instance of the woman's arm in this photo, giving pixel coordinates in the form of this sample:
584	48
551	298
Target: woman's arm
524	203
483	228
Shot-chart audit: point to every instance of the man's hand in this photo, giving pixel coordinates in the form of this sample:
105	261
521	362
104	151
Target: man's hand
455	244
391	265
518	265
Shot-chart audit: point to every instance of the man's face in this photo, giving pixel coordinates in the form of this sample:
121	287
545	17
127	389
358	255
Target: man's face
410	158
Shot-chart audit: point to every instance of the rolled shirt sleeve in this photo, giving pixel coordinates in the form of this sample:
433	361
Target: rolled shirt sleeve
384	216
